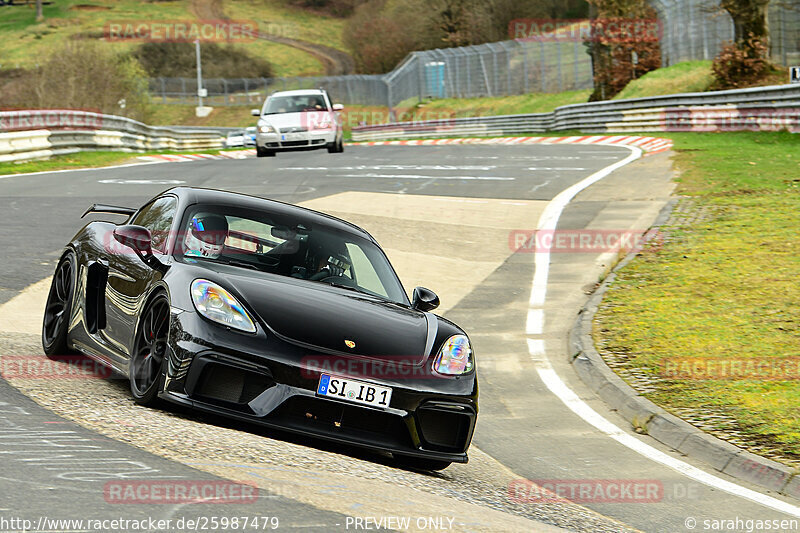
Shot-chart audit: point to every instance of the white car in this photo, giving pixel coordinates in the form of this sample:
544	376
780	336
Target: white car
234	139
298	120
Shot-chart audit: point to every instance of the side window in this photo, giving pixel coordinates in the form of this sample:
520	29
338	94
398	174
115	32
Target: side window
157	217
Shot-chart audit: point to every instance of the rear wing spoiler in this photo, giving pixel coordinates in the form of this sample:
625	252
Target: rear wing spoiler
112	209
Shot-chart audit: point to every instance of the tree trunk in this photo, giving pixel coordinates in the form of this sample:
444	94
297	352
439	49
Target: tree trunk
749	18
39	14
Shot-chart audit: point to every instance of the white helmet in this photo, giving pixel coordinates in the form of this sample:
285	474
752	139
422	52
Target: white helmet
206	236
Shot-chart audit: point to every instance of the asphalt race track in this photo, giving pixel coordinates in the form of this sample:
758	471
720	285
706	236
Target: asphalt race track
444	215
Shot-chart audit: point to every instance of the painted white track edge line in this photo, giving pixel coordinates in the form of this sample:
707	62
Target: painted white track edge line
6	176
554	383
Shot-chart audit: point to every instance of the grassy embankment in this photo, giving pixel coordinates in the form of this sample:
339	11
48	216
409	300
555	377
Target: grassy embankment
724	287
25	41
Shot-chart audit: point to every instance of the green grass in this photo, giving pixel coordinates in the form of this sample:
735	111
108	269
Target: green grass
500	105
726	287
61	162
26	42
83	160
280	18
686	77
286	60
184	115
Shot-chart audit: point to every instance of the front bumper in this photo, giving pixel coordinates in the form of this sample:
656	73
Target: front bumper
295	140
261	379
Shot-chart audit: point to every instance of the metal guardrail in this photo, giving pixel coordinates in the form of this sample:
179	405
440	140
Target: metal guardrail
42	133
760	108
34	134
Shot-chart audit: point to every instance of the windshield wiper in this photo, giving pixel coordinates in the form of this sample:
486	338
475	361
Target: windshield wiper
243	264
351	288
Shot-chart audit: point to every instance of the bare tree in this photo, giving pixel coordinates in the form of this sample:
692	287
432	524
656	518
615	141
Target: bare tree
39	13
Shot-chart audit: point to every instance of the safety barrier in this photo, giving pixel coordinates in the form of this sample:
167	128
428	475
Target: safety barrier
41	133
757	109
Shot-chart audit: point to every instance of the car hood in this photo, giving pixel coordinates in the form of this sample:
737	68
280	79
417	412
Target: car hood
321	318
306	120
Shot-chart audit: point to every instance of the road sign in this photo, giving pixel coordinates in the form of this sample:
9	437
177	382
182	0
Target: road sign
794	74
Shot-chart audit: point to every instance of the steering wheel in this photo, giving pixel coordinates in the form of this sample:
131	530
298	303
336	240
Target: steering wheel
341	280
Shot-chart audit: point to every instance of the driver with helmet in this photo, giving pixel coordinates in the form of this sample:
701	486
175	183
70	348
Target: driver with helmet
206	236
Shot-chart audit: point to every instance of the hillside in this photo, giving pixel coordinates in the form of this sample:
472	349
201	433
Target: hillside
296	41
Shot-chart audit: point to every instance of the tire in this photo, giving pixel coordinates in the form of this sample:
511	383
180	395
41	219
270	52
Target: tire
148	357
263	152
55	323
417	463
336	147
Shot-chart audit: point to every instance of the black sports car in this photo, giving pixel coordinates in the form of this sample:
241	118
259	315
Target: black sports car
269	313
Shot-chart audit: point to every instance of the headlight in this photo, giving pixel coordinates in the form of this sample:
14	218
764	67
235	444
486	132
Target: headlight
455	357
217	304
266	128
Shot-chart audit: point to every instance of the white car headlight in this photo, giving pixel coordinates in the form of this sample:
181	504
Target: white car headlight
217	304
455	357
266	128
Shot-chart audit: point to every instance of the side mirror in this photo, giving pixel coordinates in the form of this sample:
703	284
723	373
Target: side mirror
138	238
424	299
338	107
255	112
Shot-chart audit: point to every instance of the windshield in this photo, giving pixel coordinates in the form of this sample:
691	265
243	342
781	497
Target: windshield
295	104
264	241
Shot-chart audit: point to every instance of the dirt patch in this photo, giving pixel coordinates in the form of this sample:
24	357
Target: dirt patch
89	7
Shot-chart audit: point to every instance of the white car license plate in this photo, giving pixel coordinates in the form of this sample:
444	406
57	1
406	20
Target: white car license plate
352	390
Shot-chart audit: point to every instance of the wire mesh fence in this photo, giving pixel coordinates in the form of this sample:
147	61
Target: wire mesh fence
784	29
354	89
698	29
493	69
690	30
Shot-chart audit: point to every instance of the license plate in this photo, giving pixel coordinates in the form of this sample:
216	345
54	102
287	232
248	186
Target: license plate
355	391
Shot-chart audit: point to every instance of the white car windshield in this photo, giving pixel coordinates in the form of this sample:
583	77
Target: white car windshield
295	104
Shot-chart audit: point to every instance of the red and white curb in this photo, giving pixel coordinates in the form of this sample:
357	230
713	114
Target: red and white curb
649	145
176	158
